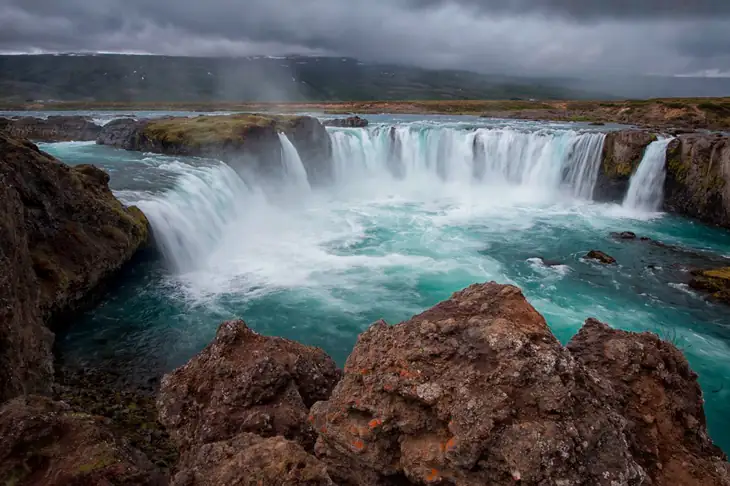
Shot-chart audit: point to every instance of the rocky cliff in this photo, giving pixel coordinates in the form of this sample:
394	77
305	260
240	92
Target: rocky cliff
247	142
63	235
52	129
698	173
474	391
698	178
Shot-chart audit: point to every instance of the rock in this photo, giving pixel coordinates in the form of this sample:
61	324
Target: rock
245	382
248	142
715	281
45	443
600	257
597	124
350	122
624	235
248	459
474	391
698	178
53	128
550	263
622	153
658	394
121	133
64	235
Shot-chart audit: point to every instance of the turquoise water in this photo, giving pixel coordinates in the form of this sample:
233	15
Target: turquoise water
320	265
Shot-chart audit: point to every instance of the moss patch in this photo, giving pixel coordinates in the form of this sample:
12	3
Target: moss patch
212	130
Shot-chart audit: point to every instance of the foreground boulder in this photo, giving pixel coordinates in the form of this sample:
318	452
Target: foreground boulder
248	142
245	382
478	391
44	443
63	235
715	281
53	128
651	384
600	257
251	460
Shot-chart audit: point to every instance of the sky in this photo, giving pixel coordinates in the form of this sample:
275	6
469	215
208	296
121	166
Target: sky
521	37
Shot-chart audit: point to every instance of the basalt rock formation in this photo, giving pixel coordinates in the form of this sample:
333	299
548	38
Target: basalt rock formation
600	257
622	153
247	142
63	234
350	122
698	178
52	129
44	443
474	391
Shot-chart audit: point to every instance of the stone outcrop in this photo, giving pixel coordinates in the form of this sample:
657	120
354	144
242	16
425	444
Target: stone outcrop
600	257
45	443
715	282
478	391
349	122
622	153
251	460
64	234
649	382
246	142
53	128
245	382
698	178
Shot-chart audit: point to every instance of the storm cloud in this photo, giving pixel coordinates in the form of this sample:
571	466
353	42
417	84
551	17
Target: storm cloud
533	37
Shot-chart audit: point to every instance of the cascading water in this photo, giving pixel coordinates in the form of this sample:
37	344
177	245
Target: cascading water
544	160
646	188
295	175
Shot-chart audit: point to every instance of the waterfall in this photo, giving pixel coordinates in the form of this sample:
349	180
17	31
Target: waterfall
549	160
295	175
646	188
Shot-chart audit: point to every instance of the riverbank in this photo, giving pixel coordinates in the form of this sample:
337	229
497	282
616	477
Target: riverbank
678	113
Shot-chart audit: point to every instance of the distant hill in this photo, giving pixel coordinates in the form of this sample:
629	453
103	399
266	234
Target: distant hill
114	77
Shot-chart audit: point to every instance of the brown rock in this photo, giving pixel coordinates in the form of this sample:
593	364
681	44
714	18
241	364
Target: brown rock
44	443
624	235
250	460
600	257
350	122
53	128
245	382
64	234
656	391
622	153
714	281
474	391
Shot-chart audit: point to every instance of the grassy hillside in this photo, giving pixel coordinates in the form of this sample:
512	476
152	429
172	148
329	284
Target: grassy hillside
294	78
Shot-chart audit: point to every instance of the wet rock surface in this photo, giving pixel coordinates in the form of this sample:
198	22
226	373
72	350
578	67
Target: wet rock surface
715	282
46	443
600	257
622	153
52	129
246	382
64	235
350	122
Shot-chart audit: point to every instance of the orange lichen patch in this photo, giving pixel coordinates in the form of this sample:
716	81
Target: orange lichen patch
375	423
364	371
432	475
323	430
450	444
388	388
404	373
358	445
311	419
354	430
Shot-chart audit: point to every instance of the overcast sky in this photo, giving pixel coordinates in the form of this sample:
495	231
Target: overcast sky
541	37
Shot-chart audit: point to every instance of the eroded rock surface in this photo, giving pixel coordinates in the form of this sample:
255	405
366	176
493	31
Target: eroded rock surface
349	122
246	382
622	153
651	384
44	443
600	257
715	281
64	234
53	128
251	460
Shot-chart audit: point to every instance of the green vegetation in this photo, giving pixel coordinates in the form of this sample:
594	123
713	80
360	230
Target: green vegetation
212	130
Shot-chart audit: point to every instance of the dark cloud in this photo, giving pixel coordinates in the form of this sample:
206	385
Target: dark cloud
551	37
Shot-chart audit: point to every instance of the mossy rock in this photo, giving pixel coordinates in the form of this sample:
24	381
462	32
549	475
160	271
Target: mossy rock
714	281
